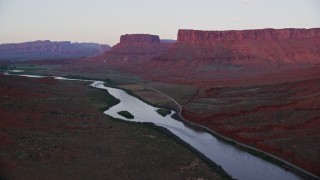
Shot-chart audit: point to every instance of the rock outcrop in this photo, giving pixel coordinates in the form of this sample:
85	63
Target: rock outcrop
137	47
139	38
50	50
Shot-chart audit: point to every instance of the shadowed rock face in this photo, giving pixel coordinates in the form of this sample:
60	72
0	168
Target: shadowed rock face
137	47
139	38
50	50
261	34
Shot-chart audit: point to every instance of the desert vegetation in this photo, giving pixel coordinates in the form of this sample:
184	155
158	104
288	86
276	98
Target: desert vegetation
126	114
163	112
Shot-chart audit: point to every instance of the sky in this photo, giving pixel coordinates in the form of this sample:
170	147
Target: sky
104	21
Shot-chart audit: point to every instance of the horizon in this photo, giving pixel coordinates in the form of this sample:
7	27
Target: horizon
42	40
104	22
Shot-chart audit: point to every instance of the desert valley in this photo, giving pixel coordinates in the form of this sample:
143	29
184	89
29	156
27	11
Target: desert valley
256	90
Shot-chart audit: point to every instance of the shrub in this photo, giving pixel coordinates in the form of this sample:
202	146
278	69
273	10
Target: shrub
126	114
163	112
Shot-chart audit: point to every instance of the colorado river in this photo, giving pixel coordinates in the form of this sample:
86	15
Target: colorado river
239	164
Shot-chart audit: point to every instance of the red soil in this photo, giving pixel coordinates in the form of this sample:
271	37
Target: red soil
282	119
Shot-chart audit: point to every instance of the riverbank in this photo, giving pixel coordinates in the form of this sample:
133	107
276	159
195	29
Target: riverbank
53	129
254	151
239	164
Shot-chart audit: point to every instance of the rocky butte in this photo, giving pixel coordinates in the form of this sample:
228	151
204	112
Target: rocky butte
139	38
137	47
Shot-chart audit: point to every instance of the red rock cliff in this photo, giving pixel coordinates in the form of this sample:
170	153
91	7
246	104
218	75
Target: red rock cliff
139	38
260	34
259	48
137	47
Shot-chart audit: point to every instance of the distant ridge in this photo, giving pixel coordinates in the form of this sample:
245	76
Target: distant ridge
49	50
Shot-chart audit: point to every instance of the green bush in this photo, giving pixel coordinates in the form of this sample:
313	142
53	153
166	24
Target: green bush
163	112
126	114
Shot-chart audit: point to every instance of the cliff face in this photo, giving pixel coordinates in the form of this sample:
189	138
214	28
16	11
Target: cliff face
137	47
139	38
265	47
50	50
261	34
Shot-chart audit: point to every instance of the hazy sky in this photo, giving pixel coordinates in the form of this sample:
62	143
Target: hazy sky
104	21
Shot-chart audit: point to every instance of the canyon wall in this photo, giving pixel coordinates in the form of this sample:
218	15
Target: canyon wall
260	34
265	47
50	50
